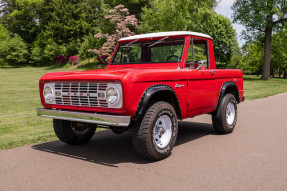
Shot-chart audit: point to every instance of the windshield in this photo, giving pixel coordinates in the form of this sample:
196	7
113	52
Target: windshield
157	51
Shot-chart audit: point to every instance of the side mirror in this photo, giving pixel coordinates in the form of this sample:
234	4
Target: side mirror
201	62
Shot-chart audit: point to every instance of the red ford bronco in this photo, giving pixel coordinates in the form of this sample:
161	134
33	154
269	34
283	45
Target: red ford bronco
151	82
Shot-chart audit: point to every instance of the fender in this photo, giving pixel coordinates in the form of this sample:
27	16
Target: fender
149	94
224	88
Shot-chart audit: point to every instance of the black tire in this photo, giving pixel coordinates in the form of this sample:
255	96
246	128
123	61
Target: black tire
220	120
149	132
73	133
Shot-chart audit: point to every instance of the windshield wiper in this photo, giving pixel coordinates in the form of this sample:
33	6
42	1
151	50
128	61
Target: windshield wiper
131	43
159	41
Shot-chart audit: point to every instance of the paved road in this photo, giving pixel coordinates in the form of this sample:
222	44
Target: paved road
253	157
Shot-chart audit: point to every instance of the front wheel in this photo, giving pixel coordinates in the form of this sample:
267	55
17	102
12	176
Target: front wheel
73	133
225	117
156	134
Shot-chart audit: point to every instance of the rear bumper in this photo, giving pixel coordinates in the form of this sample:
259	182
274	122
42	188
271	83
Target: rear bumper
109	120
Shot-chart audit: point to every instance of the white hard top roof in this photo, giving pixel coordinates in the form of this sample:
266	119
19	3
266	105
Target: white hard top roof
164	34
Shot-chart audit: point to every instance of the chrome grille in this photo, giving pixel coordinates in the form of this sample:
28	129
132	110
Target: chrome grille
81	94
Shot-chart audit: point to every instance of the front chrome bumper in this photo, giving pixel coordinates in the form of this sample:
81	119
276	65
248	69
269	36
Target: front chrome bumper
110	120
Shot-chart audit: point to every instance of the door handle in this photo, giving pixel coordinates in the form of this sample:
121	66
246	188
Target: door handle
212	72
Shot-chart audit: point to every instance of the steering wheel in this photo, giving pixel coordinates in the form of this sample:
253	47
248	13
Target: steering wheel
171	56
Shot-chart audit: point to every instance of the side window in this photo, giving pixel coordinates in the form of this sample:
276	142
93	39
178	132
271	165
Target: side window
197	54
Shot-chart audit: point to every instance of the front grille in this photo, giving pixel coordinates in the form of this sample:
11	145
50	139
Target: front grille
81	94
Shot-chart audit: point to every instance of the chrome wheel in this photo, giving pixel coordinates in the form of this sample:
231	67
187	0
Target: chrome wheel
230	113
162	131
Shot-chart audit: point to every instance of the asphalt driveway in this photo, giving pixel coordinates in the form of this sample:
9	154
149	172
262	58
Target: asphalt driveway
253	157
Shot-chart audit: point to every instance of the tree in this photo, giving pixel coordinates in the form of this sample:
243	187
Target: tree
192	15
224	38
252	61
67	21
260	17
174	15
21	17
279	53
134	6
3	32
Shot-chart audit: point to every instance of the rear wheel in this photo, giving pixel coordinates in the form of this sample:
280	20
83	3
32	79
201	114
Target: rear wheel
73	133
225	117
156	134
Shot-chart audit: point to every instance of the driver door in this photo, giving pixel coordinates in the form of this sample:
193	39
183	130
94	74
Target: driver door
201	81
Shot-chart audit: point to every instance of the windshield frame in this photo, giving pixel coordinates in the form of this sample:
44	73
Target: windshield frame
122	44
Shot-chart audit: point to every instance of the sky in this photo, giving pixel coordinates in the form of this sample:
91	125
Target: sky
224	8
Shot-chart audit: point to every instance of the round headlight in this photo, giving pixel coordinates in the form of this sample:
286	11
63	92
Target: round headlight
112	95
48	93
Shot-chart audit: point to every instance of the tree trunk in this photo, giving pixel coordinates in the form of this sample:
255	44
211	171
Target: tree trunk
285	74
267	49
279	73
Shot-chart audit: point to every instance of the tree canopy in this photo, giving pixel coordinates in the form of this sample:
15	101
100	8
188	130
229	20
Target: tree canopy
261	17
192	15
166	15
70	19
52	29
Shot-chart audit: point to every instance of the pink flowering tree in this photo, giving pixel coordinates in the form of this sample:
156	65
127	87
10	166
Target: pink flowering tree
120	18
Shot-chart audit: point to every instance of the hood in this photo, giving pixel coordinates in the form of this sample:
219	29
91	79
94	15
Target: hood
123	74
102	74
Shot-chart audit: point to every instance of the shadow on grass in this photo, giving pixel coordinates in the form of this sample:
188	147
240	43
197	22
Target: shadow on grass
92	66
109	149
258	78
9	67
58	66
251	78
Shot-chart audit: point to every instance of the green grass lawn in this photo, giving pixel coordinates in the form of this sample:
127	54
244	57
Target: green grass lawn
19	124
255	88
19	96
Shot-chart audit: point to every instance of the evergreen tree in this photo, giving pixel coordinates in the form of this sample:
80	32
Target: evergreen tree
67	20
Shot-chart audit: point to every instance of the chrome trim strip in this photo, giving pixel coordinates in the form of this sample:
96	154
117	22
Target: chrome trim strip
111	120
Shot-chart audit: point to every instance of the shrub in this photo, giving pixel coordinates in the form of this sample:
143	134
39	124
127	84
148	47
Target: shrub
68	49
51	51
88	43
101	56
74	60
61	59
14	51
36	57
